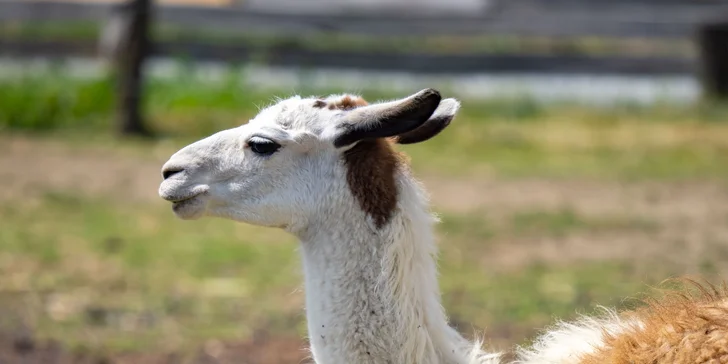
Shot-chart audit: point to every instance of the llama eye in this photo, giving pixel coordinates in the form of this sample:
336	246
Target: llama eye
262	146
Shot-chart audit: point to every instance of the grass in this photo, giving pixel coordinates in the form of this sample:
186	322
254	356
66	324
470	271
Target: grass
117	271
531	296
563	221
483	226
117	276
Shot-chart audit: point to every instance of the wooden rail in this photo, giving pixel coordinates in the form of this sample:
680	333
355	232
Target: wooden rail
669	19
665	19
420	63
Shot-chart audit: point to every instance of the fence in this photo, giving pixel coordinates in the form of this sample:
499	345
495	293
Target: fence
666	20
125	37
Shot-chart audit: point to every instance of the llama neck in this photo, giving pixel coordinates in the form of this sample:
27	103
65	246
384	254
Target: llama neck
372	294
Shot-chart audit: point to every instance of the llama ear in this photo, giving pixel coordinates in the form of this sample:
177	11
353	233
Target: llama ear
439	120
387	119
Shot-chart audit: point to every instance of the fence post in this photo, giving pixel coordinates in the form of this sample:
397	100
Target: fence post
130	48
713	44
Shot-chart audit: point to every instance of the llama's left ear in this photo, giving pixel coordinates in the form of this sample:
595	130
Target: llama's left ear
439	120
387	119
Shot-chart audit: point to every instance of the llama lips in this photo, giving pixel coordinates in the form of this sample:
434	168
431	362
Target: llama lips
190	208
187	203
171	193
178	200
182	203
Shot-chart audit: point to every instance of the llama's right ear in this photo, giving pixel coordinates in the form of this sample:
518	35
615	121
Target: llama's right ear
387	119
439	120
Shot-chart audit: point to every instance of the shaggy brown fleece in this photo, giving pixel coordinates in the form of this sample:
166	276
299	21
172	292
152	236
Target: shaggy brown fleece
680	328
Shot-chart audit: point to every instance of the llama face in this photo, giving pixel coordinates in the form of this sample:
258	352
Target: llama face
278	169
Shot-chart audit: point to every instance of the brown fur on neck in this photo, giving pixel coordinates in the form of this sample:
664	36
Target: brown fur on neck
371	166
678	329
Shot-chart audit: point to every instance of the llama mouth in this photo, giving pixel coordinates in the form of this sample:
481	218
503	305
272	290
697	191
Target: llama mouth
182	204
178	200
190	194
188	205
189	208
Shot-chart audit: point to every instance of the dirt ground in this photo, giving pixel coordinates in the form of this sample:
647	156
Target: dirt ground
15	349
688	213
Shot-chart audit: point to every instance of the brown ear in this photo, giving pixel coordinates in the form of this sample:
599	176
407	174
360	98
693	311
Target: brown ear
387	119
439	120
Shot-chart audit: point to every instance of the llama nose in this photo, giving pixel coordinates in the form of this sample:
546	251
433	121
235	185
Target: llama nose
170	171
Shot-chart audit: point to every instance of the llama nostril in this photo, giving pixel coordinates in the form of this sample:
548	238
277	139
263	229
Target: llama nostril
171	172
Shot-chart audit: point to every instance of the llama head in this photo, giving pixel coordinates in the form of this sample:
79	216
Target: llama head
280	168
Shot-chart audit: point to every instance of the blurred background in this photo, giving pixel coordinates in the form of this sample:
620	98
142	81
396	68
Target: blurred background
589	162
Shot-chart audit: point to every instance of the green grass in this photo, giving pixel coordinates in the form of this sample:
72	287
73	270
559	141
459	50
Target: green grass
485	225
534	296
50	30
129	276
562	141
114	265
45	103
563	221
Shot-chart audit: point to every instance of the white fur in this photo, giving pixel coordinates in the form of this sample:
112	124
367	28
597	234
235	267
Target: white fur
371	293
400	287
567	343
447	107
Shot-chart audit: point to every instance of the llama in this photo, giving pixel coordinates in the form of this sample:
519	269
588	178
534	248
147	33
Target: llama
325	171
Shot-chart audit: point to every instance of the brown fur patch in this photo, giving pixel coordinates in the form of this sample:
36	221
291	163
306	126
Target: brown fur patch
347	102
680	328
370	170
319	104
371	167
